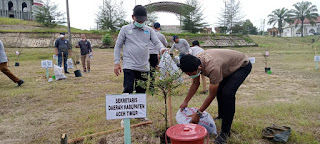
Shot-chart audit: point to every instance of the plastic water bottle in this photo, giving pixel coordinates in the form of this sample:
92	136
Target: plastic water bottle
90	55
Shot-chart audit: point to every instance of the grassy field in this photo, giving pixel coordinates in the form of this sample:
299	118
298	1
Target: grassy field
38	112
33	24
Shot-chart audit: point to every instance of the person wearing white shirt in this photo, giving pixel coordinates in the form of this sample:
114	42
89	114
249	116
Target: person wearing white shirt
195	50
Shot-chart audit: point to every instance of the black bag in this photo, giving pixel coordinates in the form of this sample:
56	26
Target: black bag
277	133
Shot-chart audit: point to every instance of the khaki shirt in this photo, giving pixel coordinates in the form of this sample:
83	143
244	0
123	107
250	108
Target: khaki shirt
220	63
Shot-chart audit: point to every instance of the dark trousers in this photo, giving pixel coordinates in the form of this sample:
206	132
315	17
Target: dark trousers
131	78
226	95
65	58
153	60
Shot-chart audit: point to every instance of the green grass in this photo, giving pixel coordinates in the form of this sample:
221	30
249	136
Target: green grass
38	112
11	21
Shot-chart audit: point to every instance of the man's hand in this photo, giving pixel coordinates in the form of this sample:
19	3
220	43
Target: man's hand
117	69
164	50
56	54
194	118
77	46
183	105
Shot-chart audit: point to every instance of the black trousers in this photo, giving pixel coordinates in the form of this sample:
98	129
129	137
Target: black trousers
65	59
153	60
226	95
131	78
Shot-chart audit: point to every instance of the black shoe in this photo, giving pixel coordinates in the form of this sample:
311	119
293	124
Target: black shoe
66	72
204	92
84	71
217	118
222	138
20	83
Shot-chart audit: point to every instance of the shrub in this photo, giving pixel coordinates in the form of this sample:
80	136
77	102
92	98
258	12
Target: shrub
107	40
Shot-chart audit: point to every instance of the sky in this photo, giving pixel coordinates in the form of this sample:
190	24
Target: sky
83	12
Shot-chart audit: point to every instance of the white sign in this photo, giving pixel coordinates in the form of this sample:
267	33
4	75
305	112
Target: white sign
252	59
55	57
46	63
267	53
126	106
316	58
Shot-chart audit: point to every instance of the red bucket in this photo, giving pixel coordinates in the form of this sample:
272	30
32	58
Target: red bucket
187	134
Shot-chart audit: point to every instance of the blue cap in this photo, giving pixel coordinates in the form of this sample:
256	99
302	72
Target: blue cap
156	25
175	37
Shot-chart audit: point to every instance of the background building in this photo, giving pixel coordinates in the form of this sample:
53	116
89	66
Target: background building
19	9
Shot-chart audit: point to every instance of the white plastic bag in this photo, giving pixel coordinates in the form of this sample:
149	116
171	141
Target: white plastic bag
168	65
70	63
58	73
205	120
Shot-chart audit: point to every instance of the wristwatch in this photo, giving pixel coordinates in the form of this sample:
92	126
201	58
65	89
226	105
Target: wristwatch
199	113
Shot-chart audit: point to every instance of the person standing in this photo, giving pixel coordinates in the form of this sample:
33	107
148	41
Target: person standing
62	48
134	38
86	51
4	66
195	50
154	52
227	70
181	44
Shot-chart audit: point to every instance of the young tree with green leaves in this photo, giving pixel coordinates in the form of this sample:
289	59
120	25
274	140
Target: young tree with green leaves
280	17
192	17
48	14
111	15
304	10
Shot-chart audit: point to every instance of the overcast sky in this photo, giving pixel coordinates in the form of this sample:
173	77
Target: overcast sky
83	12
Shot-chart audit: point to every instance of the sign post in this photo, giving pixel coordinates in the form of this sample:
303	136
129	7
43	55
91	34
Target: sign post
252	60
316	59
125	107
46	64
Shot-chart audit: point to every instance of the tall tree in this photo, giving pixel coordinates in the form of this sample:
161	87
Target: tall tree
192	17
249	28
231	15
280	17
244	28
304	10
111	15
48	14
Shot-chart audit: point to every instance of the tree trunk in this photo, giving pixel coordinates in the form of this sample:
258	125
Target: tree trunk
302	29
165	112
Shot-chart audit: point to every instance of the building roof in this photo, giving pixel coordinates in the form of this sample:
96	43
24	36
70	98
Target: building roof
307	21
38	4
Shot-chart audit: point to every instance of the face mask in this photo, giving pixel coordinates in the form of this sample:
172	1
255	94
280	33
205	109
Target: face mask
61	36
139	25
195	76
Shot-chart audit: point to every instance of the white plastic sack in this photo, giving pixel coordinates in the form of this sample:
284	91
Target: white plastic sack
205	120
168	65
176	59
70	63
58	73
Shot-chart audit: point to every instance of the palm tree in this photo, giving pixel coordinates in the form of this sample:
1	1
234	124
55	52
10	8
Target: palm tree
280	17
304	10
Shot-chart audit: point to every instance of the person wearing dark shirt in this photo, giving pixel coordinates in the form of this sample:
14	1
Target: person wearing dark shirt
86	51
62	48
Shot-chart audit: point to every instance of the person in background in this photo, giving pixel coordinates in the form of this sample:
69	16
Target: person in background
227	70
62	48
154	52
4	66
181	45
134	38
195	50
86	51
